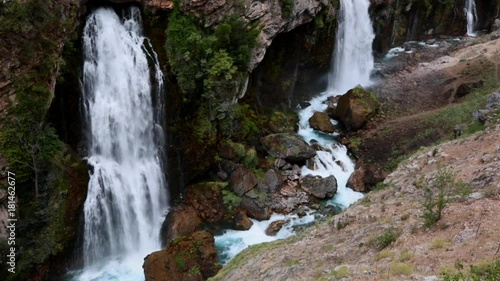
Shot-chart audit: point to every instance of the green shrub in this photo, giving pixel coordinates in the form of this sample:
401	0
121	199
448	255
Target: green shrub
439	193
385	239
487	272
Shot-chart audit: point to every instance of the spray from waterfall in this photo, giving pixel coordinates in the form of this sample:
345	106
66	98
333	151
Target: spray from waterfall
127	195
471	13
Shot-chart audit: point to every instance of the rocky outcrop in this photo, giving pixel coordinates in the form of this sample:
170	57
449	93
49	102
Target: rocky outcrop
319	187
190	258
290	147
273	16
321	121
275	227
466	88
365	178
356	107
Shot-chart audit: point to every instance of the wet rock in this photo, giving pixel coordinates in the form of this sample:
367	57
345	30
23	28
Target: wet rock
192	257
289	198
290	147
320	187
225	168
242	180
321	121
466	88
275	227
356	107
241	221
255	208
181	221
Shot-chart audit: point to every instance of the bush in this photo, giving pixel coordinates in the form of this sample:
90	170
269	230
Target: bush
385	239
439	193
487	272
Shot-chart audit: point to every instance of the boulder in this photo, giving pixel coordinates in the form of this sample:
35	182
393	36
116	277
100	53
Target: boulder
466	88
193	257
255	208
321	121
206	198
289	198
493	101
275	227
271	182
480	115
180	221
290	147
356	107
242	180
320	187
241	221
365	178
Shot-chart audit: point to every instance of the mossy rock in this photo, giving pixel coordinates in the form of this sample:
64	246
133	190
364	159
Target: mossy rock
283	122
356	107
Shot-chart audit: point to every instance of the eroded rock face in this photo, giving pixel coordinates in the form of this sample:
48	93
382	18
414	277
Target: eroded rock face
321	121
193	257
290	147
268	14
355	108
320	187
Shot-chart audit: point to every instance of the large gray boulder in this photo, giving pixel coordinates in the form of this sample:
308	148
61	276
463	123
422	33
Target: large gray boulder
320	187
290	147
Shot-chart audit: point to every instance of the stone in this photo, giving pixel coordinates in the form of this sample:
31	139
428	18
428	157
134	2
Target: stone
255	208
290	147
365	178
488	158
274	227
321	121
320	187
355	108
206	198
356	181
241	221
480	115
181	221
242	180
493	101
271	182
466	88
193	257
231	150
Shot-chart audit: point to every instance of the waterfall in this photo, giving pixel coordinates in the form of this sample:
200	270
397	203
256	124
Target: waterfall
352	61
127	195
471	13
352	65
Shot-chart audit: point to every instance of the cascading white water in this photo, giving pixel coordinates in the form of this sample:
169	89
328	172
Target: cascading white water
471	13
352	61
127	195
352	65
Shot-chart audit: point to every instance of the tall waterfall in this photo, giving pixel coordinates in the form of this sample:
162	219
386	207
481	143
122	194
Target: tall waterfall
352	65
352	61
127	189
471	13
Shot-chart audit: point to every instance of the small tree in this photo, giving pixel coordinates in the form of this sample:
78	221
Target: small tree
442	189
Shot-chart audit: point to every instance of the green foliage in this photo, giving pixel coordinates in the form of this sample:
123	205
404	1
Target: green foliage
286	8
439	193
486	272
401	269
202	58
385	239
180	261
240	123
250	160
231	200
